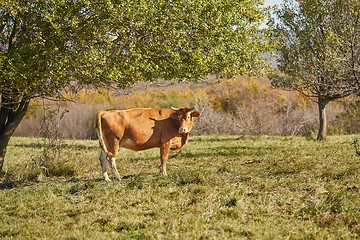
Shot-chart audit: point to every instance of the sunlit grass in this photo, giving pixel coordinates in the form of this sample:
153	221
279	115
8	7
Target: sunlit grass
223	187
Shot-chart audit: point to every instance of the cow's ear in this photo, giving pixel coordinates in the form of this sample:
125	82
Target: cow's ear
195	114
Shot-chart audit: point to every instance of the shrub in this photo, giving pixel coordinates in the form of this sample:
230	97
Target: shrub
347	121
232	106
256	108
53	159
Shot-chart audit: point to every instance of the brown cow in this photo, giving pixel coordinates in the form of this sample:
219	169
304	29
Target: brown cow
142	128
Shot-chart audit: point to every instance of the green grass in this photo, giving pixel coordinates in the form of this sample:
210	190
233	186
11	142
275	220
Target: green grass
219	187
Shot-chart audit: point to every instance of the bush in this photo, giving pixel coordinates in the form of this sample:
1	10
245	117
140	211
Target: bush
235	106
53	159
255	108
348	121
212	121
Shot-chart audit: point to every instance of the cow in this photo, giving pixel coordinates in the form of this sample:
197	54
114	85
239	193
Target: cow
140	129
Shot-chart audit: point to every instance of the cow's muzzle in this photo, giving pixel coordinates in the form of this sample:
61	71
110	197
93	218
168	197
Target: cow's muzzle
183	130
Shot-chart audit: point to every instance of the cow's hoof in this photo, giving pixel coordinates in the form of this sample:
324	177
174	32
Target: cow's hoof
107	179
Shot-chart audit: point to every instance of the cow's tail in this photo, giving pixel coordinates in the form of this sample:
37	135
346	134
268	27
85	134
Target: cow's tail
100	135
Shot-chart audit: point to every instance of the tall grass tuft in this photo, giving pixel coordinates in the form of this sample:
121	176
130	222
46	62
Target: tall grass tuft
54	158
357	146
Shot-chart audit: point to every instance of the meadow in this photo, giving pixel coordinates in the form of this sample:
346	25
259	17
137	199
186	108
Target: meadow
219	187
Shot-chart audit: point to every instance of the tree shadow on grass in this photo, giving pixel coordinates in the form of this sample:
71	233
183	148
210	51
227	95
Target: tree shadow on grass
7	183
64	145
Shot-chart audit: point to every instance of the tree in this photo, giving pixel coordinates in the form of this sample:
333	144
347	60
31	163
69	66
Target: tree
47	47
319	54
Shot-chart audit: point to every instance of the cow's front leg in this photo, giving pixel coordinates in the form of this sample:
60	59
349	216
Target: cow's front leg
164	154
103	160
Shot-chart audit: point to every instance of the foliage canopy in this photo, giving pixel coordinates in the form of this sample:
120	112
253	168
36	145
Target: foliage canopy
320	48
49	45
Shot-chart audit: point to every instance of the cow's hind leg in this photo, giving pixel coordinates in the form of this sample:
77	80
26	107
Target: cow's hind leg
103	160
113	147
114	169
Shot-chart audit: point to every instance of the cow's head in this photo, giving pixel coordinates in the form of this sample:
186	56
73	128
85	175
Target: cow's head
186	118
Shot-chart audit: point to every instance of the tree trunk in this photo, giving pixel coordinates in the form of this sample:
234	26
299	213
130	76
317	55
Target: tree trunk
4	140
11	115
322	119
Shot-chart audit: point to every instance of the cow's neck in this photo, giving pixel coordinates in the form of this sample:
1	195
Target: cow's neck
184	139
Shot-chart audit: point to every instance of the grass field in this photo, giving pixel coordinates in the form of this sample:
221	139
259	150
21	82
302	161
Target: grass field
219	187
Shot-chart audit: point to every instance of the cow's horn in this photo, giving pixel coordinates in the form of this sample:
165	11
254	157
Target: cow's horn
174	108
192	108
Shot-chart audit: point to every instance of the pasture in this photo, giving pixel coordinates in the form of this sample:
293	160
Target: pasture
219	187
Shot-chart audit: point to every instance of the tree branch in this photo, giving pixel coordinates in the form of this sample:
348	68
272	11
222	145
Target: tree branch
4	22
12	37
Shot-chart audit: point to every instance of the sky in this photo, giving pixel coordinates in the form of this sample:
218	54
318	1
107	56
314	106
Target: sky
272	2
